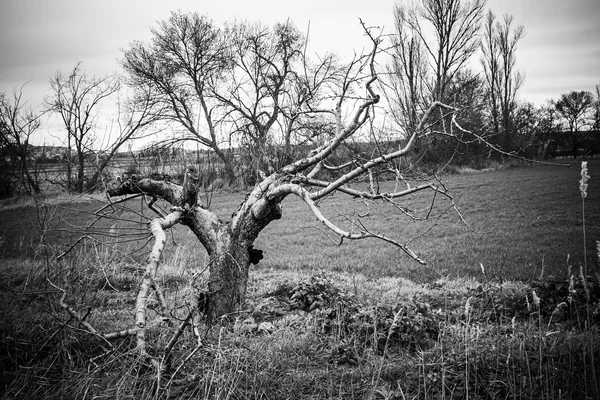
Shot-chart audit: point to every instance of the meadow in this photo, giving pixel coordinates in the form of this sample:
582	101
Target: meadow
501	310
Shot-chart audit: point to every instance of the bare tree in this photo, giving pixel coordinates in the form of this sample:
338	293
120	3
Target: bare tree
455	25
409	72
268	89
575	108
499	57
76	98
511	80
434	40
177	70
17	124
491	67
229	244
246	86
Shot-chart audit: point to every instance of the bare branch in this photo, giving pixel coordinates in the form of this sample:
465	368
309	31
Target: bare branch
363	194
157	226
358	119
168	191
382	159
74	314
297	190
500	151
121	200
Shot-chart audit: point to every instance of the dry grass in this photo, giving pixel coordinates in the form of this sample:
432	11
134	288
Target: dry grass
385	329
388	338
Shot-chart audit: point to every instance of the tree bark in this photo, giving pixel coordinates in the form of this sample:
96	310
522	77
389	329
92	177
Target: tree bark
69	156
80	169
228	246
229	266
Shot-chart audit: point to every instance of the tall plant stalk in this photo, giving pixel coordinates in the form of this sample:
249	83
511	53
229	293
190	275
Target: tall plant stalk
583	185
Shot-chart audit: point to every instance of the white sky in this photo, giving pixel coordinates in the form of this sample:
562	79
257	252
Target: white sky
559	53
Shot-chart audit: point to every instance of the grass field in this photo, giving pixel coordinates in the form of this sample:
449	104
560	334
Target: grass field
519	219
389	328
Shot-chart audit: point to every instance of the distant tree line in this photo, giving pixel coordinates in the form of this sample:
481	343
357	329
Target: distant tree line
251	96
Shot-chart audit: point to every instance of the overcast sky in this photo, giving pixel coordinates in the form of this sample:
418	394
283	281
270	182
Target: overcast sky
559	53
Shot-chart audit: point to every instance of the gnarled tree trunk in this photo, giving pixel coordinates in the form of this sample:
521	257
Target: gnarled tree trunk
228	244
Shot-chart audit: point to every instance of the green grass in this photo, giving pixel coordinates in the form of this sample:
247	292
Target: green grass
386	327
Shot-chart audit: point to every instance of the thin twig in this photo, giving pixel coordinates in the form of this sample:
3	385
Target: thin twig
175	338
71	248
73	313
189	356
121	200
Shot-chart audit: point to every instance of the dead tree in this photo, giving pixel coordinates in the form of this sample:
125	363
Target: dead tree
229	244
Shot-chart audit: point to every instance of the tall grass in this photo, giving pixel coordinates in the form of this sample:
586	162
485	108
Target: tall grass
373	338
